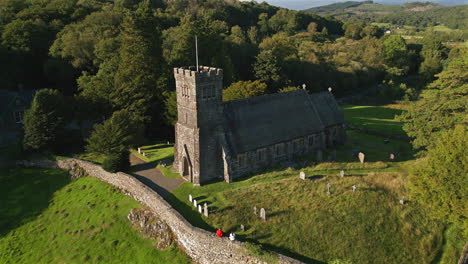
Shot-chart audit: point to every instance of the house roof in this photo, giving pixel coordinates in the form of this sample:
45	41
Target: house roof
256	122
8	99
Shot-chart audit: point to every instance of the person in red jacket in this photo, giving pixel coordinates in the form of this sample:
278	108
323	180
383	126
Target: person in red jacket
219	232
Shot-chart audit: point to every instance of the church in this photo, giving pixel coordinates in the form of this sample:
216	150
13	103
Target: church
216	139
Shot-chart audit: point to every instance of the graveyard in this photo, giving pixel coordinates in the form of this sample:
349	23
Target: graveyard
317	212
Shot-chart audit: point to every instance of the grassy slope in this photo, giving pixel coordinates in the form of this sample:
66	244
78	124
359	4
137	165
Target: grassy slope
376	118
46	219
304	222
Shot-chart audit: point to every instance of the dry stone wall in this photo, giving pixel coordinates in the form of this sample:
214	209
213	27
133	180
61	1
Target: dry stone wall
202	246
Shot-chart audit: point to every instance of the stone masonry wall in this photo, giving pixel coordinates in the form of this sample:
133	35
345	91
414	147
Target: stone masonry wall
202	246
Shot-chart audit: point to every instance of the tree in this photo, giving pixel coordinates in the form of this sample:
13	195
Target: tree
434	53
139	73
44	122
267	69
244	89
170	110
439	181
442	106
396	53
116	134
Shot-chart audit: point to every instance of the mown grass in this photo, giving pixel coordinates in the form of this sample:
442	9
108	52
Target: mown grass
369	226
154	154
375	118
44	218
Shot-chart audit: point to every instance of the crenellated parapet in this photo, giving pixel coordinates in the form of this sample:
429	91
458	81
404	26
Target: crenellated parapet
203	72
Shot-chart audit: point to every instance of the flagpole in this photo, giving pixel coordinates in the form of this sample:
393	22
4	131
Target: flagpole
196	51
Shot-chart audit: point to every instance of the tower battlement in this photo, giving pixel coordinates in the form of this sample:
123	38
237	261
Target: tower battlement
203	71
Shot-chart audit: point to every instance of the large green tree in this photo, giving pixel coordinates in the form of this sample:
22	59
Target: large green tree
44	122
140	71
244	89
439	180
442	105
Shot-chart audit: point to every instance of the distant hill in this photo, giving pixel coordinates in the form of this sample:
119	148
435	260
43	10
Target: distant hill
419	14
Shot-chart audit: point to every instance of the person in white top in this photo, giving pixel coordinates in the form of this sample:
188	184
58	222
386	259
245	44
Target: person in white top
232	236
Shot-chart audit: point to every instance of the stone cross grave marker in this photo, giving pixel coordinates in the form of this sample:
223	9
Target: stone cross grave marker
354	188
392	157
190	198
242	227
361	157
302	175
319	155
342	173
263	214
205	209
195	203
200	209
255	210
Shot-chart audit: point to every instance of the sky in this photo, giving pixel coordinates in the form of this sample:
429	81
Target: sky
304	4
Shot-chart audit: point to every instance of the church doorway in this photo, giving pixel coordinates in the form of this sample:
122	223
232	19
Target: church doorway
186	172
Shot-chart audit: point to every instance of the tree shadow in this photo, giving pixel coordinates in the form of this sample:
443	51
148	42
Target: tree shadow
25	193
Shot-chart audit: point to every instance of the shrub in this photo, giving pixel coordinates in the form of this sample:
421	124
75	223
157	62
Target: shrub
116	162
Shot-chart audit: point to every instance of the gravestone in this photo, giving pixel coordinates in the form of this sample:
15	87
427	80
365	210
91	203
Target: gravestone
328	188
402	201
319	155
354	188
200	209
255	210
263	214
392	157
139	150
361	157
190	198
242	227
167	143
195	203
302	175
342	173
205	209
144	154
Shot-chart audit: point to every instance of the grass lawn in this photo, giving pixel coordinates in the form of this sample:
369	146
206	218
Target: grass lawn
44	218
376	118
369	226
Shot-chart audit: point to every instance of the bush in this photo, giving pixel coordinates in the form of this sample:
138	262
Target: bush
116	162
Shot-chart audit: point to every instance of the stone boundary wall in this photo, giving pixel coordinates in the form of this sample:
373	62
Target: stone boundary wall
202	246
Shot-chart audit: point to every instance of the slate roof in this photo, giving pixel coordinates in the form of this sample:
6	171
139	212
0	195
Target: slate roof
7	99
261	121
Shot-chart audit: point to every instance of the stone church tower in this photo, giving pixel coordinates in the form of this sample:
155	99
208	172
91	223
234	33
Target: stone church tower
199	110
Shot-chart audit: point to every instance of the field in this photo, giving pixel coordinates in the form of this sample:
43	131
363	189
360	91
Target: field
375	118
44	218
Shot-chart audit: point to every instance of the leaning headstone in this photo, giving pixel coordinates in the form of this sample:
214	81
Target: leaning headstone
190	198
205	209
361	157
302	175
255	210
342	173
319	155
242	227
195	203
263	214
139	150
200	209
392	157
